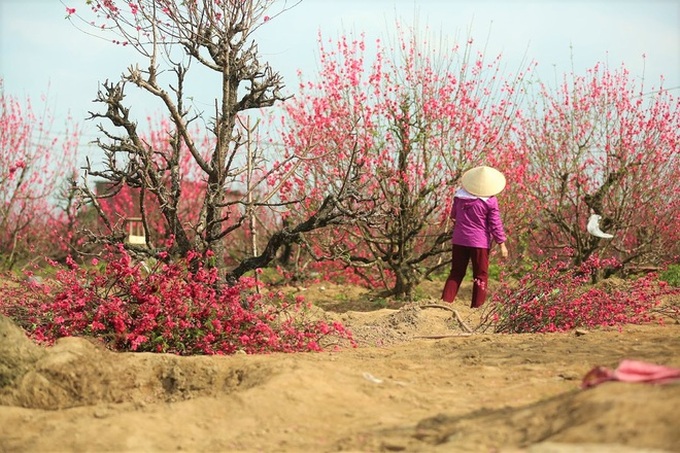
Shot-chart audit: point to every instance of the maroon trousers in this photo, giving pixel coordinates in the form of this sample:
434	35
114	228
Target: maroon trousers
462	255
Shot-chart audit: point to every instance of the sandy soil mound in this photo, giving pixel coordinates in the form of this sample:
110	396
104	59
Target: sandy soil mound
416	383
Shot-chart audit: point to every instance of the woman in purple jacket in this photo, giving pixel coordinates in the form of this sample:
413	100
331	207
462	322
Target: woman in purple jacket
477	222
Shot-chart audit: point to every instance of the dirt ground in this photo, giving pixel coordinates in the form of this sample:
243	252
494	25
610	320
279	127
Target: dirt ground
416	383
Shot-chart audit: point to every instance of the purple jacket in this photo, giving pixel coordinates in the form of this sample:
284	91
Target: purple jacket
477	221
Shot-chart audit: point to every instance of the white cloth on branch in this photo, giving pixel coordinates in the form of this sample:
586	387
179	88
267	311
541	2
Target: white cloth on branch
594	227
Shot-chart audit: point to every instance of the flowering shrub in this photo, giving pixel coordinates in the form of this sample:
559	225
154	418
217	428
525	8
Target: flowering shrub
177	307
557	296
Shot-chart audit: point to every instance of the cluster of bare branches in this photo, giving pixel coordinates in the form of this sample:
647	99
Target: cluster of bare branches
173	36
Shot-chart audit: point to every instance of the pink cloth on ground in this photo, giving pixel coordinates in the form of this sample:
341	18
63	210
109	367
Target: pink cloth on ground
632	371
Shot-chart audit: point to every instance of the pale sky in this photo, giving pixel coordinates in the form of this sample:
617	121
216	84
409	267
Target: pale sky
42	53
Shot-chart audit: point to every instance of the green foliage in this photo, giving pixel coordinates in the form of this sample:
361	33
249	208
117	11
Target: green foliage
381	302
341	297
494	271
671	275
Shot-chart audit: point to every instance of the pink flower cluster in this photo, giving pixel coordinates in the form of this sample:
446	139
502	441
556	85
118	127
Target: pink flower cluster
181	308
16	166
556	296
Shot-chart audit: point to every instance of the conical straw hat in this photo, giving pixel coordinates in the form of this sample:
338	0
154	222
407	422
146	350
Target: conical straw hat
483	181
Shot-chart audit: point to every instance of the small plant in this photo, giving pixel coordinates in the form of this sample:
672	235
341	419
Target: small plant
174	307
494	272
381	302
671	275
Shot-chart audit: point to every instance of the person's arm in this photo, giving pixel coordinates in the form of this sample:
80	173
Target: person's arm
496	227
504	250
452	215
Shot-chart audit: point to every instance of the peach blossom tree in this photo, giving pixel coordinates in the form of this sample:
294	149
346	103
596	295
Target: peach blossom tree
184	43
396	126
603	143
35	161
